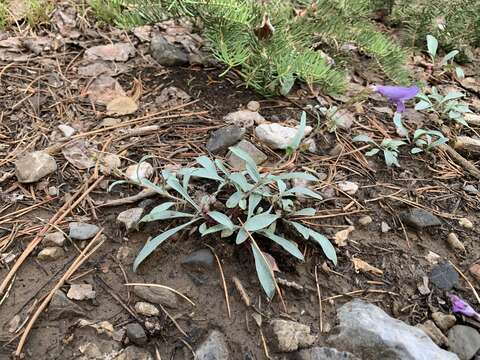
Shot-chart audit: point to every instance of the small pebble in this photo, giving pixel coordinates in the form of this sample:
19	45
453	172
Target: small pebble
52	191
51	253
455	243
385	227
365	220
66	130
54	239
467	224
444	321
253	106
475	271
348	187
145	308
81	292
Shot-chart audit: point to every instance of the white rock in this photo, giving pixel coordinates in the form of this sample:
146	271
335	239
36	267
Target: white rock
147	309
137	172
348	187
66	130
54	239
467	224
244	118
130	217
51	253
365	220
34	166
385	227
277	136
52	191
81	292
253	106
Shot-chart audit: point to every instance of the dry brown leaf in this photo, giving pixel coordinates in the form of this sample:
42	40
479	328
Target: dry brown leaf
122	105
79	155
341	237
104	89
363	266
271	262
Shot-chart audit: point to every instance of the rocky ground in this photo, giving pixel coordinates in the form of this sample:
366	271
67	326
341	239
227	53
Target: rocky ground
81	105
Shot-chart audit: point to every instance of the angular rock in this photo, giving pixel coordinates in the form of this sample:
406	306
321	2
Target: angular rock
223	138
244	118
171	96
54	239
109	163
100	349
81	292
471	189
137	172
444	276
111	52
165	53
215	347
475	271
143	33
444	321
277	136
101	68
322	353
238	164
463	341
61	307
365	220
82	231
419	218
156	295
66	130
348	187
34	166
290	335
130	218
429	328
136	334
51	253
134	353
464	222
369	333
104	89
146	309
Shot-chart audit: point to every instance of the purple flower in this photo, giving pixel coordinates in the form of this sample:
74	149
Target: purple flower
397	94
460	306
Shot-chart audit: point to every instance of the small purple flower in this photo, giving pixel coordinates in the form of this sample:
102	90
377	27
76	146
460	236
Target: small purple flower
460	306
397	94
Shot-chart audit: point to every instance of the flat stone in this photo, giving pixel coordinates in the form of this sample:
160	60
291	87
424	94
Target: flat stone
34	166
156	295
368	332
290	335
215	347
61	307
253	106
110	52
348	187
136	334
444	321
54	239
244	118
471	189
419	218
444	276
365	220
130	218
429	328
134	353
81	292
475	271
238	164
167	54
51	253
463	341
82	231
220	140
466	223
322	353
66	130
146	309
277	136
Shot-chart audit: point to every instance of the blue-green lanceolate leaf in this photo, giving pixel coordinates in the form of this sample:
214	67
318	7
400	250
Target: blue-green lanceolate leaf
253	201
325	244
221	219
164	215
260	221
173	182
296	175
151	245
242	235
233	200
287	245
295	142
305	212
265	274
304	191
241	181
303	230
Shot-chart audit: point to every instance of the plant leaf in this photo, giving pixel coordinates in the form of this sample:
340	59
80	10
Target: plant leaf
452	96
372	152
304	191
390	158
240	180
221	219
173	182
151	245
302	230
362	138
222	167
118	182
296	175
326	245
295	142
287	245
242	235
214	229
264	272
305	212
423	105
416	150
163	215
260	221
233	200
449	57
243	155
401	129
432	45
460	73
253	201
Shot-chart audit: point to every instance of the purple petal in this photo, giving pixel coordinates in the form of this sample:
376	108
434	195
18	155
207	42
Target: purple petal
460	306
397	93
400	106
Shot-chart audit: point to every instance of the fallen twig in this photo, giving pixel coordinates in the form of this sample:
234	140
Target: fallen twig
467	165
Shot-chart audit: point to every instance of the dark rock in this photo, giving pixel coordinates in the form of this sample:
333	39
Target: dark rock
419	219
167	54
134	353
156	295
136	334
322	353
464	341
444	276
215	347
61	307
238	164
223	138
368	332
82	231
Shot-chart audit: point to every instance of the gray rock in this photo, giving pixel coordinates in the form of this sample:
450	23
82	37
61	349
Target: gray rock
322	353
419	218
81	292
244	118
130	218
146	309
238	164
61	307
66	130
136	334
290	335
82	231
167	54
223	138
444	276
429	328
100	349
369	333
51	253
215	347
34	166
54	239
444	321
471	189
134	353
464	341
156	295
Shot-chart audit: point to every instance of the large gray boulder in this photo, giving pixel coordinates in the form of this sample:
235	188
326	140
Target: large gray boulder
368	332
